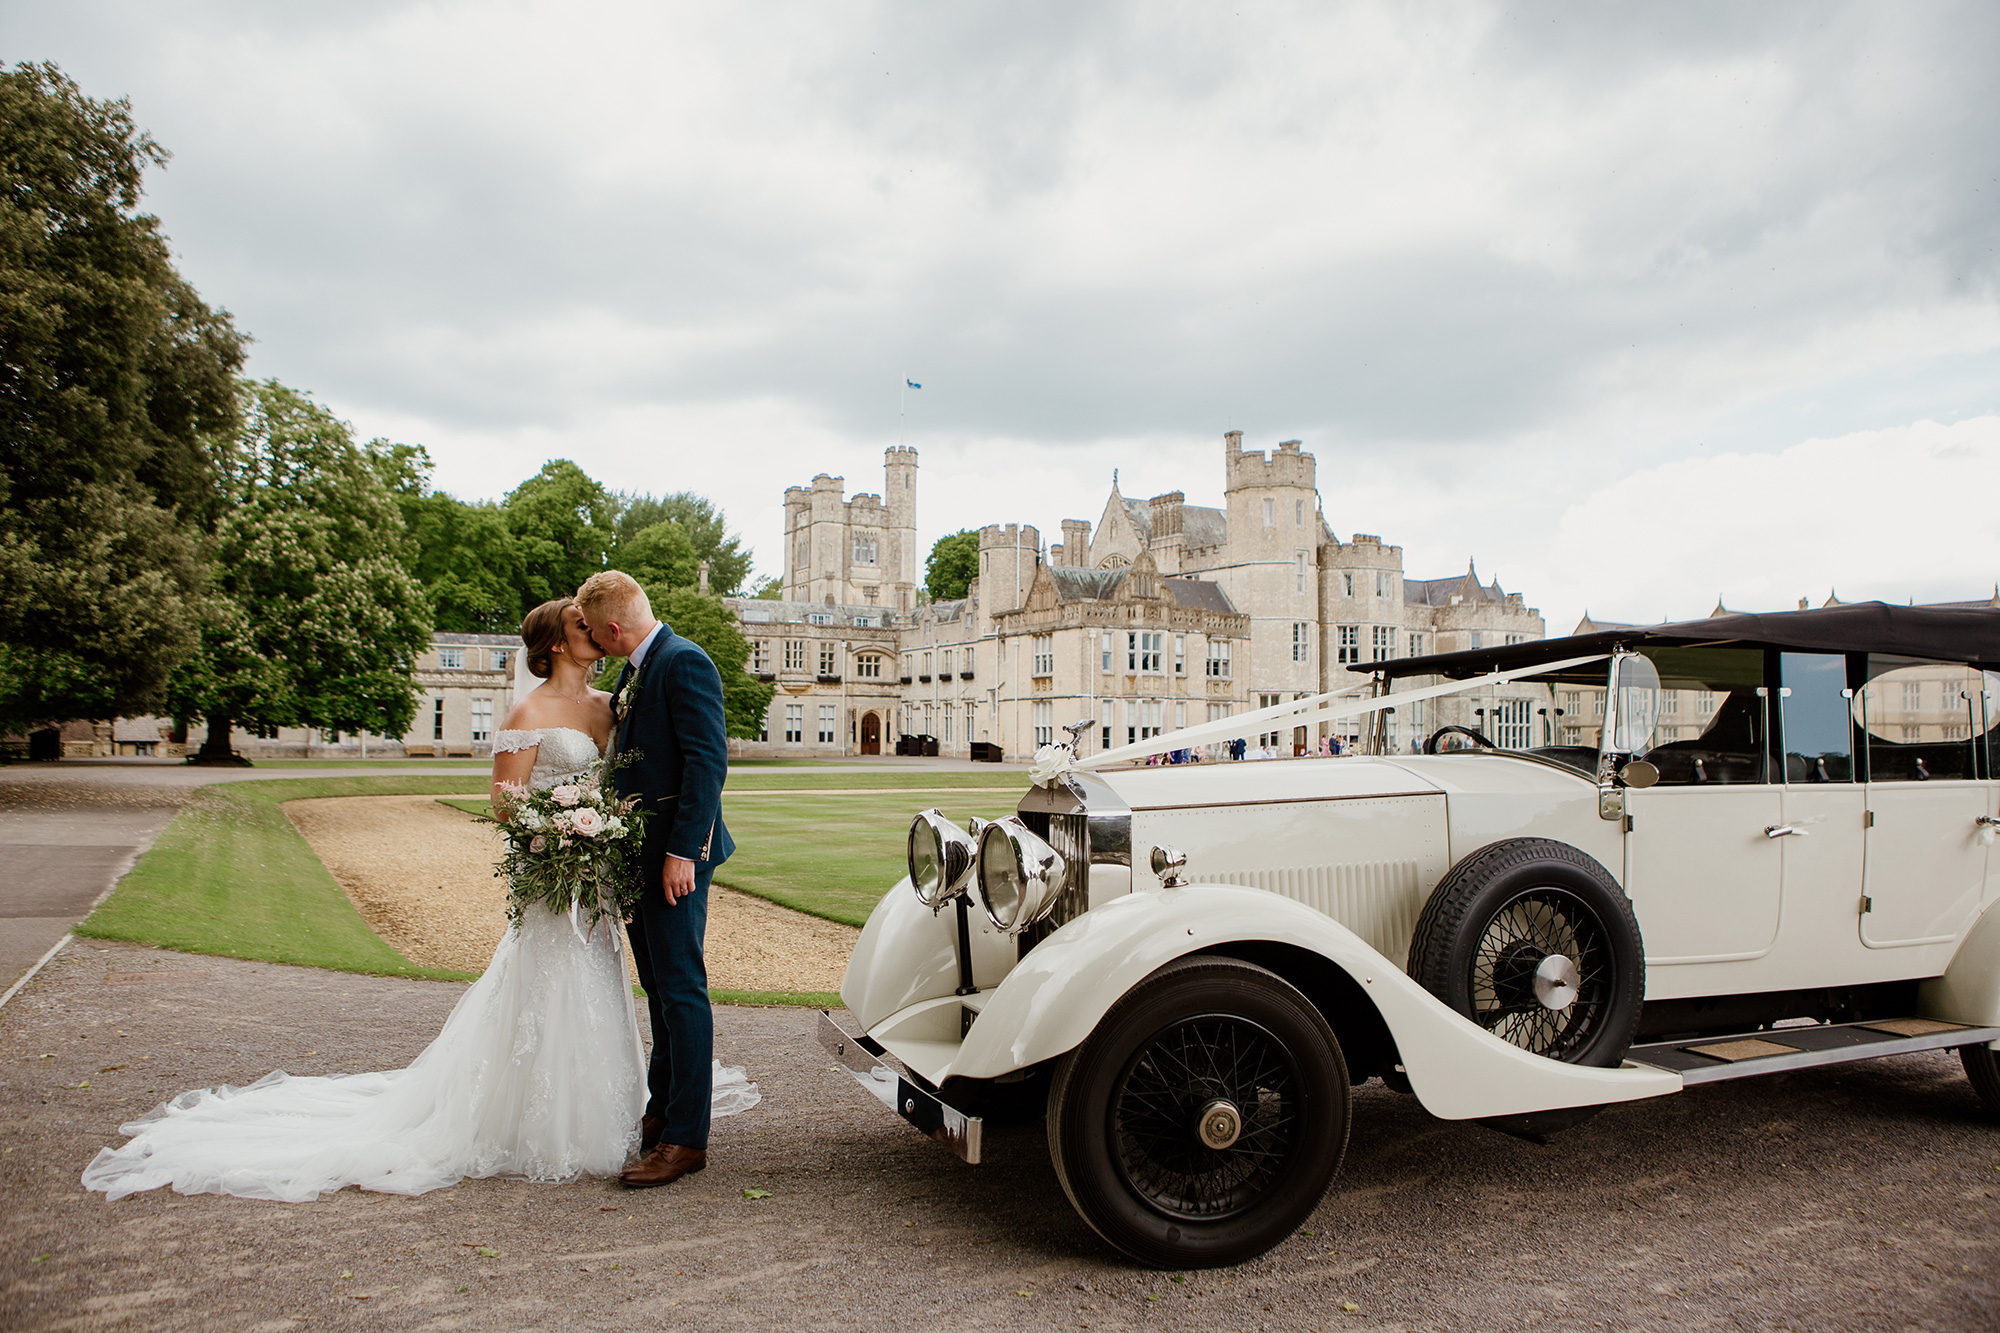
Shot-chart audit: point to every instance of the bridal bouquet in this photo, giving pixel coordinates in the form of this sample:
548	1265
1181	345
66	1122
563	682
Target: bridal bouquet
573	847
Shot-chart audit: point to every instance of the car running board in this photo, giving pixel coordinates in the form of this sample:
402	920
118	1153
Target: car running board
1775	1050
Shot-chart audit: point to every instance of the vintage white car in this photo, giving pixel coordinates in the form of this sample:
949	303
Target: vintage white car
1751	844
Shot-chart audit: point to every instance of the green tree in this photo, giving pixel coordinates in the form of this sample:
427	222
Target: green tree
728	562
771	589
660	555
953	564
116	384
563	527
463	554
312	619
745	699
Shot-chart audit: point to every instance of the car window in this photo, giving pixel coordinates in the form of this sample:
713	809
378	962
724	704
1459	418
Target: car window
1923	720
1712	720
1817	710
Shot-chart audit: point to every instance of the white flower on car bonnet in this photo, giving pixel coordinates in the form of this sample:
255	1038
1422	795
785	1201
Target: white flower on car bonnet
567	794
1051	762
587	822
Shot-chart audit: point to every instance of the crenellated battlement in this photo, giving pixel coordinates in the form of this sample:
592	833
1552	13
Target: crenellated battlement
1287	465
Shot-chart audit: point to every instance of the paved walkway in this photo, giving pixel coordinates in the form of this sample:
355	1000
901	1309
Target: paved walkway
59	862
1863	1197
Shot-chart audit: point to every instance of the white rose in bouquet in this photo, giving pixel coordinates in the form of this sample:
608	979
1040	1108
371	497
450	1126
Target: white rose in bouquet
566	795
531	820
587	822
538	844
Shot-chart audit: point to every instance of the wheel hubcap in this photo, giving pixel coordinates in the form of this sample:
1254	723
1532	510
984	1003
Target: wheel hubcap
1556	982
1221	1123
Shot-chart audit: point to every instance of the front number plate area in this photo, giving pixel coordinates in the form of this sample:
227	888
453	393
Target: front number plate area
865	1059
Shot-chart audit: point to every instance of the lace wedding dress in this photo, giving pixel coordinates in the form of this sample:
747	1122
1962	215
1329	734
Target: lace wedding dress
537	1073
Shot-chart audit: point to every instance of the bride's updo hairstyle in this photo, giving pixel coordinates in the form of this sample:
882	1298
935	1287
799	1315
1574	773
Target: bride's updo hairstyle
541	631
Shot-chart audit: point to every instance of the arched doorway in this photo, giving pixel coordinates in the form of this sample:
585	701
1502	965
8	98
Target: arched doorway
871	734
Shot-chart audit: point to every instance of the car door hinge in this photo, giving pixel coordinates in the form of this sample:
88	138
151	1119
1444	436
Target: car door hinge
1867	904
1867	819
1628	823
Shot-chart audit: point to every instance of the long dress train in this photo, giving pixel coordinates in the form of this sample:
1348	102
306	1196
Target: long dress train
537	1073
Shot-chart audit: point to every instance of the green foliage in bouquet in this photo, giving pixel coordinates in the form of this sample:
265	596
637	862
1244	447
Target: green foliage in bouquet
573	847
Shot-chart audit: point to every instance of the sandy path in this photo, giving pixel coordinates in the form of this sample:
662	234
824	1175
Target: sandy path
421	874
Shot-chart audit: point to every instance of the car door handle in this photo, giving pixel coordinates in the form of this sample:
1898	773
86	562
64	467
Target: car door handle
1986	821
1783	831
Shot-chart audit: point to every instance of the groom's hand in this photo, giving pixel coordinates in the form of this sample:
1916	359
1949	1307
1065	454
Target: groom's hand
676	879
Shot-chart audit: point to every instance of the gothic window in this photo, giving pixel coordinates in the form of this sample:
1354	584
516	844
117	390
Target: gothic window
1350	644
1301	641
451	659
795	654
1180	654
1045	654
482	719
1113	562
1108	647
1142	652
827	715
795	723
760	657
1218	659
1384	646
1348	582
1301	556
829	664
868	666
1416	645
818	618
1269	519
1298	513
864	548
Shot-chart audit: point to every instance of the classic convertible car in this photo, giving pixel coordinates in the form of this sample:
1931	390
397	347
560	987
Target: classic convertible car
1745	845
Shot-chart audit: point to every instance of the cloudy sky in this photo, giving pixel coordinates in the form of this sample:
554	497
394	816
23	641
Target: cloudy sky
1637	305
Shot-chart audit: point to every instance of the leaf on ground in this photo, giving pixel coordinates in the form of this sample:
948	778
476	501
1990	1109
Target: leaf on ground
38	1259
1177	1277
487	1252
1024	1293
73	1086
756	1194
1152	1295
1349	1307
345	1274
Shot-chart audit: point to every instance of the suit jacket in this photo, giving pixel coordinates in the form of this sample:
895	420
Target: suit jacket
672	715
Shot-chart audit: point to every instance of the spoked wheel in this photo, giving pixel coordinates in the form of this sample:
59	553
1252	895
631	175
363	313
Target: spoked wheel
1202	1121
1535	942
1542	972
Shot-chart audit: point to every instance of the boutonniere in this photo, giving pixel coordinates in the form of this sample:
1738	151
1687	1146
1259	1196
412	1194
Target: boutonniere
618	699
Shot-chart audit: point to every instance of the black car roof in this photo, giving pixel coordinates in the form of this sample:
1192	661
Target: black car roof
1940	633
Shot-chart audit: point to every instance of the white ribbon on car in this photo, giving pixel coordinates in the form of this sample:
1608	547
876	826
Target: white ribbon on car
1297	713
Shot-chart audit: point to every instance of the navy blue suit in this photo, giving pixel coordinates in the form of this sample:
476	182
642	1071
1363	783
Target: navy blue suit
671	714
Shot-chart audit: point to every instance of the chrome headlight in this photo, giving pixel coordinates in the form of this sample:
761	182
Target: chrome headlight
1019	875
940	856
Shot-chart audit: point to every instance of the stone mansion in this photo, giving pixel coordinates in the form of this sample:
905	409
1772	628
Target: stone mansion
1161	615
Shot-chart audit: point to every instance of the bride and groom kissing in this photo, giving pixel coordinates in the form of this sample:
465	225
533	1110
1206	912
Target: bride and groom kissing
539	1071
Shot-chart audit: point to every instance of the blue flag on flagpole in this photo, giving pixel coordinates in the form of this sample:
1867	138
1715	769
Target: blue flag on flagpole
913	384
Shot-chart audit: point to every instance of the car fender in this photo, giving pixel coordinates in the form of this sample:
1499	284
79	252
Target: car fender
1969	990
1056	995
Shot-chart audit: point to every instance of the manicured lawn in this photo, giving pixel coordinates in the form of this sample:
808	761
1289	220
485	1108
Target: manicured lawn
374	765
828	854
832	856
231	876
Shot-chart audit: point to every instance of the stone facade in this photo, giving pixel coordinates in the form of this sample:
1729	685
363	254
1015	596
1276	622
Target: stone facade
1166	614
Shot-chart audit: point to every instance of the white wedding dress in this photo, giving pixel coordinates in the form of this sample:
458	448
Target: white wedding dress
537	1073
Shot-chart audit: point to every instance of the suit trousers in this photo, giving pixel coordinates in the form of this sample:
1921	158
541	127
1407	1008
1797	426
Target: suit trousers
667	954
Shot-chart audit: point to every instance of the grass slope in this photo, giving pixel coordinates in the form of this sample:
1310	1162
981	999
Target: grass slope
231	876
828	854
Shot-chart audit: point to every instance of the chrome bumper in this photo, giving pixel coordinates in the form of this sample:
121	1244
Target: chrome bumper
864	1058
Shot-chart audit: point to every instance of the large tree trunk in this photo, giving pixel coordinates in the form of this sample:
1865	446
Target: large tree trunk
215	751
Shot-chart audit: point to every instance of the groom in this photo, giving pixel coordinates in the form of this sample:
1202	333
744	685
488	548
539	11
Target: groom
668	706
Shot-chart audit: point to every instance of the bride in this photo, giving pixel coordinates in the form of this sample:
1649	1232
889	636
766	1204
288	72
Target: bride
537	1072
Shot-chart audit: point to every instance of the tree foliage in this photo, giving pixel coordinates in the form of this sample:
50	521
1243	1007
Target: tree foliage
660	555
706	531
312	619
952	565
563	527
745	699
116	384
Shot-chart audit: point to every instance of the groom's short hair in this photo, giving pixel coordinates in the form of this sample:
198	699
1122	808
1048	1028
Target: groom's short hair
612	594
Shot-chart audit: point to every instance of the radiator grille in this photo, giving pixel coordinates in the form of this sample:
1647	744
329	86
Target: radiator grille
1377	900
1070	836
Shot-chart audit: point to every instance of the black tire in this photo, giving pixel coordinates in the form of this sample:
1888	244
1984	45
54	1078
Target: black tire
1126	1105
1499	913
1982	1067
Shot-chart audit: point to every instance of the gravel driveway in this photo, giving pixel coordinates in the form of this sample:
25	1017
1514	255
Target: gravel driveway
421	874
1862	1197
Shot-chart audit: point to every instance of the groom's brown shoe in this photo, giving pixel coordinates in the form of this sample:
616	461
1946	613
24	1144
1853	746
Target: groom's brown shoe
665	1164
650	1129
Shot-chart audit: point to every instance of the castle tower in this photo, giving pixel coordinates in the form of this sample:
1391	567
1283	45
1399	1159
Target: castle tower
1007	559
1168	537
854	552
1274	528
